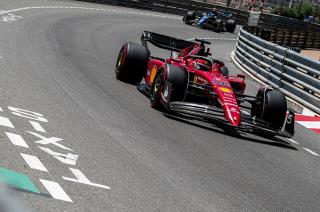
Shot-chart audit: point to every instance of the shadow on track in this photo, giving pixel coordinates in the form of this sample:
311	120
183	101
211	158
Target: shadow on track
226	130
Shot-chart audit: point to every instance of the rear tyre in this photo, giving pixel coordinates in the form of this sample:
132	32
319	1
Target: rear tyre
190	16
218	24
231	26
132	63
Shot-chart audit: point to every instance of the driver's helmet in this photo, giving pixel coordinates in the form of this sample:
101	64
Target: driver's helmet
201	64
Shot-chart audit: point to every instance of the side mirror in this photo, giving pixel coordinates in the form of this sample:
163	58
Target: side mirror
224	71
241	76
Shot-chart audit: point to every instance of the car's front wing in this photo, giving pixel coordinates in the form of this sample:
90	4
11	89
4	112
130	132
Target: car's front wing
248	123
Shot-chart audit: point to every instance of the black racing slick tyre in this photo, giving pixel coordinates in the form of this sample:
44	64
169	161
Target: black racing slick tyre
179	81
275	109
218	25
156	89
132	63
177	77
231	26
190	16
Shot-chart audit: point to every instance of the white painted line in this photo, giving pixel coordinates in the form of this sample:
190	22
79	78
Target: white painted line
310	124
81	178
34	162
1	107
293	141
5	122
17	140
312	152
37	126
55	190
83	8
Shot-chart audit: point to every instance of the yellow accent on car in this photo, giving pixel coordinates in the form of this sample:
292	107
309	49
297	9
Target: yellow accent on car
225	90
153	73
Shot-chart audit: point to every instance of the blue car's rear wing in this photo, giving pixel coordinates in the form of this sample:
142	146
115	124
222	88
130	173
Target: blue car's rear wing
165	42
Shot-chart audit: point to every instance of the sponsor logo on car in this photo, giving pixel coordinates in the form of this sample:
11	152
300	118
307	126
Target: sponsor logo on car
198	79
225	90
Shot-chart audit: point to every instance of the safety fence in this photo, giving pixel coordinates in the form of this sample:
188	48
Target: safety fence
295	75
177	7
287	31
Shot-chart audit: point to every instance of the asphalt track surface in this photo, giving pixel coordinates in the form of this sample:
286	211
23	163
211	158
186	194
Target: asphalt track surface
60	62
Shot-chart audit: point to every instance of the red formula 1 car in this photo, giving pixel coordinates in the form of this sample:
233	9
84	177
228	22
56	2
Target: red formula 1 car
190	83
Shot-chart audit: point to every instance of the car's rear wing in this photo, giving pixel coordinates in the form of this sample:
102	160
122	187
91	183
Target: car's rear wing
164	42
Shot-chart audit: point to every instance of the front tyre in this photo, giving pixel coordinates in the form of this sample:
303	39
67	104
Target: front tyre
177	77
132	63
275	109
156	89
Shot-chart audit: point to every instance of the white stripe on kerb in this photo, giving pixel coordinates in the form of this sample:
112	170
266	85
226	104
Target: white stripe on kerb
5	122
310	124
55	190
37	126
17	140
310	151
34	162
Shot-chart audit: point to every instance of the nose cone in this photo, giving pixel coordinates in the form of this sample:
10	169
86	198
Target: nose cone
232	114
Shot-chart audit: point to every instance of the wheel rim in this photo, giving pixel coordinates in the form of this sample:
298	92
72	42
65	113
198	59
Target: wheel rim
156	86
120	59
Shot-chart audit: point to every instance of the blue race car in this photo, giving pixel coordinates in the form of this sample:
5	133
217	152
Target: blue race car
214	19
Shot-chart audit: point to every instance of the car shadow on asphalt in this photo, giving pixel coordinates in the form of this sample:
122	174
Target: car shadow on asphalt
226	130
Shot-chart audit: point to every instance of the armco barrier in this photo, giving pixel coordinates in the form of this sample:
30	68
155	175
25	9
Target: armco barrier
287	31
177	7
295	75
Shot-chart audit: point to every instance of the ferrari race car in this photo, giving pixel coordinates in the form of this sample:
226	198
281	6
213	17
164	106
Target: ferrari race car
215	20
191	84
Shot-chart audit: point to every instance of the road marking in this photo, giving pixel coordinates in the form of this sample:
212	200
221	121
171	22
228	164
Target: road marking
34	162
51	140
293	141
27	114
17	140
10	18
69	158
312	152
5	122
55	190
37	126
82	8
1	107
81	178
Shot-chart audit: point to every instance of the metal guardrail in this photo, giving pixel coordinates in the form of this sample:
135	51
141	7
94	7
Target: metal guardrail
176	7
287	31
295	75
